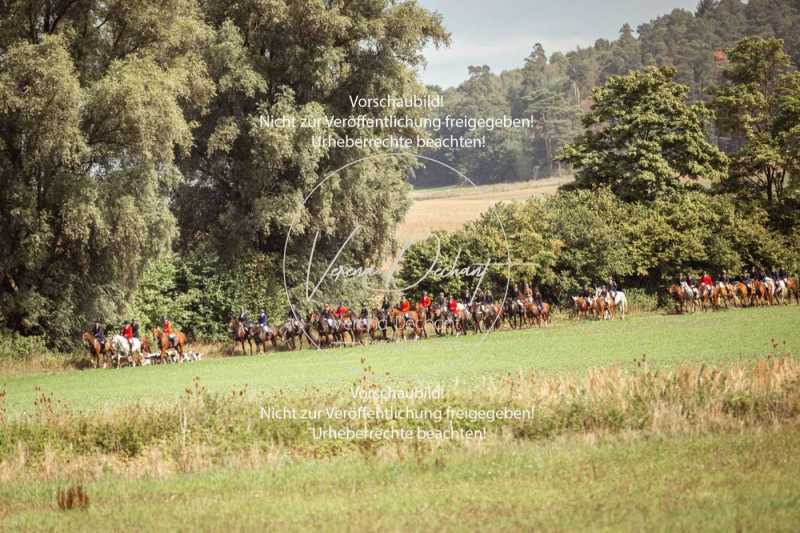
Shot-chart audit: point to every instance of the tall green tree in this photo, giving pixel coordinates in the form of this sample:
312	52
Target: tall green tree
92	100
642	138
757	105
301	60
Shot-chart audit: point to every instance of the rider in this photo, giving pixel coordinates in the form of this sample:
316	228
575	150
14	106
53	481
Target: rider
127	332
405	306
99	333
528	292
537	299
441	301
612	287
488	297
364	314
135	328
263	320
452	305
425	302
167	329
707	281
243	317
327	314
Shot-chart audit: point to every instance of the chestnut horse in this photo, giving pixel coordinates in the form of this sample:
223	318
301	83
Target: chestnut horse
540	316
792	288
165	342
679	297
96	350
582	306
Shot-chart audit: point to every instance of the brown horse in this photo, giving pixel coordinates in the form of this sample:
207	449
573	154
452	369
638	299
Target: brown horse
538	316
599	308
166	342
397	321
740	295
758	293
96	350
582	306
263	336
679	297
793	289
240	335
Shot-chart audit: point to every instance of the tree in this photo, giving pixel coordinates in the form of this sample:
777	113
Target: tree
92	99
301	60
758	106
642	138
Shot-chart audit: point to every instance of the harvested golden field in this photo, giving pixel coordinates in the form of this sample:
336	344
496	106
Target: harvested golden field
449	208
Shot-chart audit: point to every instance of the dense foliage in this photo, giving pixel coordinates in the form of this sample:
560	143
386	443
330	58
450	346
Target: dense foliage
641	138
124	125
580	238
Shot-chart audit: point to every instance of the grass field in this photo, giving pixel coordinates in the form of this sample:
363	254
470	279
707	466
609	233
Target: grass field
449	208
703	436
567	346
744	482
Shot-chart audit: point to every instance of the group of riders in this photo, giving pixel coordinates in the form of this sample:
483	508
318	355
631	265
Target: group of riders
447	314
128	342
602	303
753	287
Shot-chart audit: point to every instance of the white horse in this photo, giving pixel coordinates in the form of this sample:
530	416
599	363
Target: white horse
619	301
120	348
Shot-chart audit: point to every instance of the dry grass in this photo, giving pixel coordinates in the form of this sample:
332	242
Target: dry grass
448	209
203	431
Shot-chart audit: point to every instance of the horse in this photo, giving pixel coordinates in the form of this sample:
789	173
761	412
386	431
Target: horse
166	342
240	334
599	306
362	328
478	313
326	333
122	349
583	306
679	297
741	294
263	335
96	349
537	315
292	332
617	301
383	324
758	293
793	288
493	316
422	321
708	297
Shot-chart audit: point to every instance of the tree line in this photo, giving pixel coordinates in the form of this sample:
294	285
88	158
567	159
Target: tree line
654	198
557	88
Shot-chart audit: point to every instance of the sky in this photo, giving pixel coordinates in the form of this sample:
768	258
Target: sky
501	33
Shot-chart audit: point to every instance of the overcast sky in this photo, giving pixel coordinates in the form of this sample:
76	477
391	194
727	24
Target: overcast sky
501	33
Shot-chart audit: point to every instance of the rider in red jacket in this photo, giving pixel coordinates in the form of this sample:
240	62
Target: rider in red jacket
425	301
453	305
